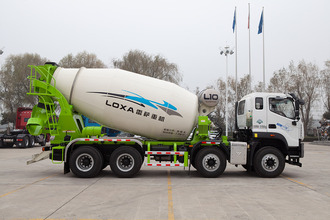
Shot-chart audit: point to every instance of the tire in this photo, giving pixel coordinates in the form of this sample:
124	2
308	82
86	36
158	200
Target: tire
32	141
210	162
269	162
26	141
125	161
86	162
43	142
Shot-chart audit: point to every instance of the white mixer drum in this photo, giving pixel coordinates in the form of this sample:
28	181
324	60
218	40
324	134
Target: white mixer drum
130	102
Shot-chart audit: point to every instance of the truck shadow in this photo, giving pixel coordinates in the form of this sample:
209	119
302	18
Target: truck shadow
181	174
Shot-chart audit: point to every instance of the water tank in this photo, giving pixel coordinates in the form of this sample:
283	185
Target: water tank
130	102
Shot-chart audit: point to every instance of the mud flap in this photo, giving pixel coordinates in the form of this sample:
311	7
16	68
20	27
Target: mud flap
66	167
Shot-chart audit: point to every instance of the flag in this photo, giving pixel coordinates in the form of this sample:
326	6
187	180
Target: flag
234	21
261	22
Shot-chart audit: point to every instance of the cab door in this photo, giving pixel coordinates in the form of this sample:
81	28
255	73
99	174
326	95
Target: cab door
259	115
281	119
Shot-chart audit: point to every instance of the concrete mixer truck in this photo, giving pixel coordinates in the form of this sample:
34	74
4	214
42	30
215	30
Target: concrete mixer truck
170	124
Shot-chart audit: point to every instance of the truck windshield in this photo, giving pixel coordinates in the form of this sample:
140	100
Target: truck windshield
282	107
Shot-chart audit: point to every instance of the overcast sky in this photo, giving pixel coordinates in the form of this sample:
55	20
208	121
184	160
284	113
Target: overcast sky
186	32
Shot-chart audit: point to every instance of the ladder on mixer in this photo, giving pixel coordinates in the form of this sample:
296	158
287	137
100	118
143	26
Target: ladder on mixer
45	91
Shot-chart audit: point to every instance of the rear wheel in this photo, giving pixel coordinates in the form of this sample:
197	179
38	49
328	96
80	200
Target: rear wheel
269	162
86	162
32	141
125	161
26	141
210	162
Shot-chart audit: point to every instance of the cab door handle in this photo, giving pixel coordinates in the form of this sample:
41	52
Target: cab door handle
272	126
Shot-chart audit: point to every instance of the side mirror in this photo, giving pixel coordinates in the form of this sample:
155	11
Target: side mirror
300	101
297	104
296	110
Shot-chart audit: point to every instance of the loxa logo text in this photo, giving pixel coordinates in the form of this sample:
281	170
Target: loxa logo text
136	111
140	101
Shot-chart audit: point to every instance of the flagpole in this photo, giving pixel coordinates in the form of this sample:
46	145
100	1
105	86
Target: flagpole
236	55
249	51
263	45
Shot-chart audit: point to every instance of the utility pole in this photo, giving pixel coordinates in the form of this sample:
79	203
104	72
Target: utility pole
226	51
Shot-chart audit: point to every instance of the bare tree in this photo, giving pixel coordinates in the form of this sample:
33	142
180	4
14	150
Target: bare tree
14	84
282	80
218	116
154	66
325	82
303	80
259	87
82	59
307	81
243	88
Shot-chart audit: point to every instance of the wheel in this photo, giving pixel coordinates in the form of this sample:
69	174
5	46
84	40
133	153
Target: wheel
43	142
26	141
86	162
125	161
210	162
269	162
32	141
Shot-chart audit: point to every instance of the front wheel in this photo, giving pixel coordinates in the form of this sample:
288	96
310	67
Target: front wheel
86	162
125	161
269	162
210	162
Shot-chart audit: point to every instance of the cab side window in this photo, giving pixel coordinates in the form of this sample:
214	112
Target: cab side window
241	105
259	103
